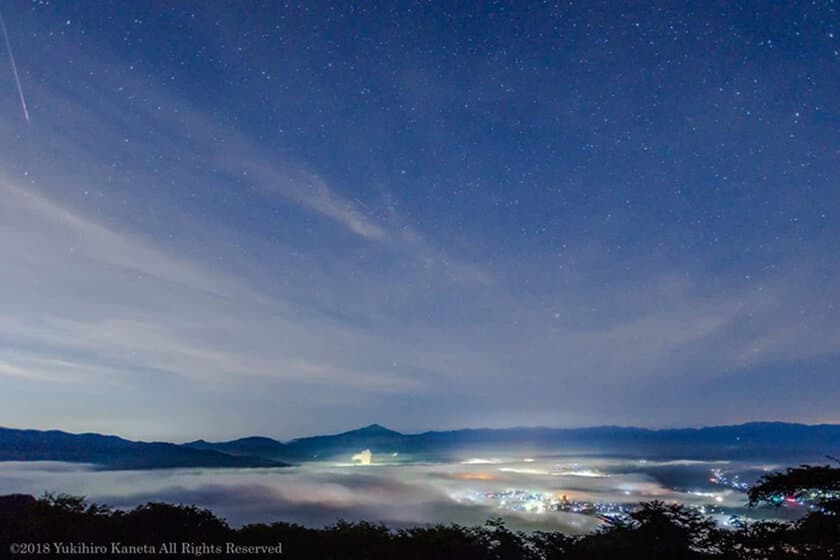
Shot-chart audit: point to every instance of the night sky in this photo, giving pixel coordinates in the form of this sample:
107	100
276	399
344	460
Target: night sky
226	219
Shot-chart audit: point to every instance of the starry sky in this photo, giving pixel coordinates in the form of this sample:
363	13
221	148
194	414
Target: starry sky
236	218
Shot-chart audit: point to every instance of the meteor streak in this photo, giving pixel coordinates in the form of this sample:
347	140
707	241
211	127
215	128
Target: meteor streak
14	67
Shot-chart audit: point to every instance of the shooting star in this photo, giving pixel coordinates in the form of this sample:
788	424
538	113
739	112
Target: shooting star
14	67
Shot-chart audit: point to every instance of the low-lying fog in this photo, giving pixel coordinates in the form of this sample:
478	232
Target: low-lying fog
527	492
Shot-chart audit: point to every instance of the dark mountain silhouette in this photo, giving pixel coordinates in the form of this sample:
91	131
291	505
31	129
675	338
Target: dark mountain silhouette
744	441
374	437
254	446
113	452
771	440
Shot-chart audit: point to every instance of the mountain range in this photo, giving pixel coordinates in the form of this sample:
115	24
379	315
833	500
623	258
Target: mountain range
768	440
114	452
752	440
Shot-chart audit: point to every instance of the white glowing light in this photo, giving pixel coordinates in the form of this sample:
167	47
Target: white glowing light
523	471
478	461
584	473
362	458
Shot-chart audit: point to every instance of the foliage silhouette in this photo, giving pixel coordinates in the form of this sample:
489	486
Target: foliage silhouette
654	530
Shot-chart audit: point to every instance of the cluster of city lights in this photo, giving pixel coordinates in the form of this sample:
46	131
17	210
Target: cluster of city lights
532	501
734	482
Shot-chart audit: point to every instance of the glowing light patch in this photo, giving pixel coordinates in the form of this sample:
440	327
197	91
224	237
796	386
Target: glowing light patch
523	471
475	476
477	461
362	458
583	473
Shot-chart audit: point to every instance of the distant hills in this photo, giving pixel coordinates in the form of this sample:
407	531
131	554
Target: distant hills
114	452
771	440
759	440
374	437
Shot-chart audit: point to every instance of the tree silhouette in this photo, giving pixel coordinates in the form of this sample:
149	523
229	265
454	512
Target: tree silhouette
816	483
654	530
817	535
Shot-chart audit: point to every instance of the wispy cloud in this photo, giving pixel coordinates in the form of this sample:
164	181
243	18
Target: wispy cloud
93	305
293	182
106	298
118	275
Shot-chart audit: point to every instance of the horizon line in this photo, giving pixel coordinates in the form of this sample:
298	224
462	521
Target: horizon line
418	433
